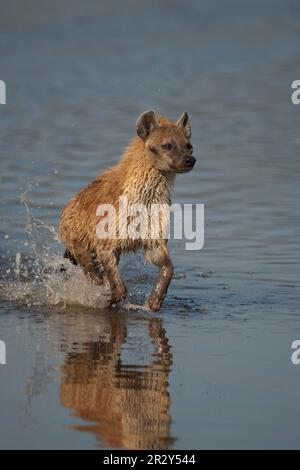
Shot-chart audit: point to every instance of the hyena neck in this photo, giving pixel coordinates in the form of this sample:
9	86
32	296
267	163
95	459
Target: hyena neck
144	183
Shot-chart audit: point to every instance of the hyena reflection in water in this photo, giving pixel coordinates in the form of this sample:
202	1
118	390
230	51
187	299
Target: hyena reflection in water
127	404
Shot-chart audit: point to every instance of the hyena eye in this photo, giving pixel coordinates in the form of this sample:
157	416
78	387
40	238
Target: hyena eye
189	146
167	146
152	148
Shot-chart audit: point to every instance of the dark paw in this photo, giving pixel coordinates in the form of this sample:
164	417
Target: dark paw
117	297
62	269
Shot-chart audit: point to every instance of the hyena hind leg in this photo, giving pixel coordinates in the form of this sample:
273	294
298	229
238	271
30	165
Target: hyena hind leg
68	255
89	264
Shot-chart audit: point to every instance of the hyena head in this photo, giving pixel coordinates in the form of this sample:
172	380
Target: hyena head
167	143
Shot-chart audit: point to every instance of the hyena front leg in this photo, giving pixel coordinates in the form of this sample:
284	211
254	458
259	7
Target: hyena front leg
159	256
109	262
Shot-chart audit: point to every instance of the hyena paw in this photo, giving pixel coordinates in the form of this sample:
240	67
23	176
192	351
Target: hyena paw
118	296
155	303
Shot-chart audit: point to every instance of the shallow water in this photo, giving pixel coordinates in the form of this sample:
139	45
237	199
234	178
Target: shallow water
212	369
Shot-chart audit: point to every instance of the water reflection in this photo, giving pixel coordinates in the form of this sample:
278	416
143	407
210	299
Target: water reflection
125	402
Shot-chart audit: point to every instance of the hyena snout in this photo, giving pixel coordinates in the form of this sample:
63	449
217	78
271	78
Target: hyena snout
184	163
190	161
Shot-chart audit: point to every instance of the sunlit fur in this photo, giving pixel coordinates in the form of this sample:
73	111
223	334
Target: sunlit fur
143	177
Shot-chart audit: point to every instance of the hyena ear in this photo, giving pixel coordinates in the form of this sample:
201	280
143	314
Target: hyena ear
147	122
185	123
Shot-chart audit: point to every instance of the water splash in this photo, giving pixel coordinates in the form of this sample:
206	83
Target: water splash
38	279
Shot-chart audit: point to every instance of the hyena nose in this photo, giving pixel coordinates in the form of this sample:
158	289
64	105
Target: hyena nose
190	161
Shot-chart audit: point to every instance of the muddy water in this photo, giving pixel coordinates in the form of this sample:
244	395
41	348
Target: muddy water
213	368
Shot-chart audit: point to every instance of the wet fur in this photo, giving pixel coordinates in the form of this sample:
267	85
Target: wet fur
144	176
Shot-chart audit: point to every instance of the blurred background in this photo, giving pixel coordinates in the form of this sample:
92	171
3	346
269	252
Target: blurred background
77	75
